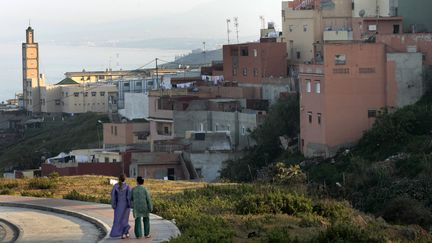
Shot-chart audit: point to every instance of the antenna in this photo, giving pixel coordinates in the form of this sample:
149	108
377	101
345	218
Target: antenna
236	24
29	22
262	22
228	29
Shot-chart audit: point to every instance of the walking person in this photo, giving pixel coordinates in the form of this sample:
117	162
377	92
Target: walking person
142	207
120	202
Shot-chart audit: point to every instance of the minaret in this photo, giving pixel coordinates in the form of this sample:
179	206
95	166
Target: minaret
31	82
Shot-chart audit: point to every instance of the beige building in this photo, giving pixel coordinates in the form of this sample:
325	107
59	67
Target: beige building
107	75
32	80
79	98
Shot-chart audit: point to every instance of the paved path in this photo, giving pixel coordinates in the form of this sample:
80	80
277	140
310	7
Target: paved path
101	215
41	226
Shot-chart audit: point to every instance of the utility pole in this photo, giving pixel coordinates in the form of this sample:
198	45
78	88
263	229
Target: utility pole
228	29
157	73
236	25
205	52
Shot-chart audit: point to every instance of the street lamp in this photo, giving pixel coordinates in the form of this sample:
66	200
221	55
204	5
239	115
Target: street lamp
97	131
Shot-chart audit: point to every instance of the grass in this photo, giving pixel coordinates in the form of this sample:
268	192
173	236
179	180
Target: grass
210	213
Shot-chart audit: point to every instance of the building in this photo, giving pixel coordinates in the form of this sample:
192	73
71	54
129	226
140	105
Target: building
341	98
250	63
142	85
416	14
32	80
126	135
107	75
73	98
164	166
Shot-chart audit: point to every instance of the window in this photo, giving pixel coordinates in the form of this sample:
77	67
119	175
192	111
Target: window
115	130
101	77
298	55
57	102
234	72
396	29
93	94
308	86
114	160
139	84
305	28
372	113
102	93
217	127
166	130
340	59
255	53
126	84
255	72
234	52
317	87
310	117
245	71
76	94
85	94
106	160
243	131
244	51
319	118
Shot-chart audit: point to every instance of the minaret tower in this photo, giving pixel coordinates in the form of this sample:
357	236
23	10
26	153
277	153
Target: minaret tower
31	82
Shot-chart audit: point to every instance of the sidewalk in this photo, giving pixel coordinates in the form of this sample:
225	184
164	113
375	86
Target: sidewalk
100	214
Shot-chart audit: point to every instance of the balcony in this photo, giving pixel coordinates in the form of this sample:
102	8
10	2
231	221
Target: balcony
311	69
338	35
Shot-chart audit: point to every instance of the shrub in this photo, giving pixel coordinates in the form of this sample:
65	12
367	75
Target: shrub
404	210
336	211
274	202
44	194
346	233
74	195
279	235
41	183
8	184
6	192
54	175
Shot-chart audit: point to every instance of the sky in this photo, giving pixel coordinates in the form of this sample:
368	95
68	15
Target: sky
95	20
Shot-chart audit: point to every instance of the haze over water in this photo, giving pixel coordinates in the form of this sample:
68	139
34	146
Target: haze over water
55	60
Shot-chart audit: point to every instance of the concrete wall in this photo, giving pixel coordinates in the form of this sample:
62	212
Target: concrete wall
107	169
210	164
136	106
408	75
122	133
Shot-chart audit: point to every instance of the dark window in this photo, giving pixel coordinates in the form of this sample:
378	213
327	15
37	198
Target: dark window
166	130
115	130
102	93
138	84
319	118
57	102
171	174
85	94
245	71
76	94
101	77
126	84
298	55
244	51
93	93
234	51
396	29
310	117
200	136
255	72
372	113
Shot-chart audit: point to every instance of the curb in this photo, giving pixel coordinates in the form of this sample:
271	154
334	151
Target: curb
101	226
16	230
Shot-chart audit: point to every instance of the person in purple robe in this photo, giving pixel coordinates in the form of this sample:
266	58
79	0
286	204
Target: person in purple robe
120	202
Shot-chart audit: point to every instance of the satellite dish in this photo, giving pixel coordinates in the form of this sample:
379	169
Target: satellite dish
362	13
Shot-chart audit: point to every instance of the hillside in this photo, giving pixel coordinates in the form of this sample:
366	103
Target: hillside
233	212
196	59
53	137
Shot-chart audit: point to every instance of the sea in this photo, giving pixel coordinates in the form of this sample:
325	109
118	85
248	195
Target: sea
55	60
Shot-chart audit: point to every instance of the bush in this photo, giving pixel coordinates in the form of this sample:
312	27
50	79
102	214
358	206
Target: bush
6	192
74	195
44	194
336	211
404	210
279	235
41	183
346	233
275	202
54	175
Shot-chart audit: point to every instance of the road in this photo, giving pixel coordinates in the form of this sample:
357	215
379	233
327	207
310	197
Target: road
40	226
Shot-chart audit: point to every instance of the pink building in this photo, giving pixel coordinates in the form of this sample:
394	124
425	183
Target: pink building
125	134
341	99
250	63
